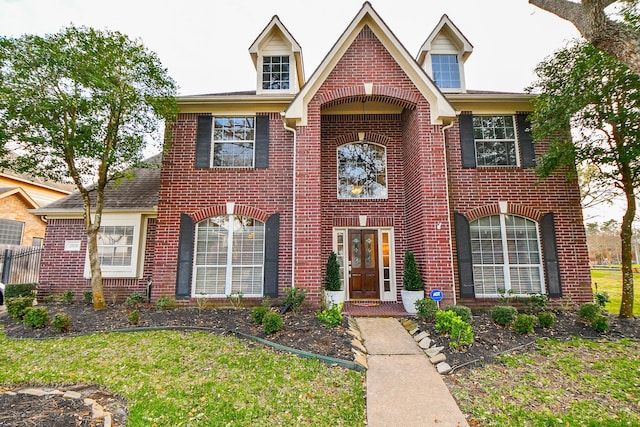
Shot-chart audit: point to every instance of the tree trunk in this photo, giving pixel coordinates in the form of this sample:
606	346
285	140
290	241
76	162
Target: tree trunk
96	272
626	234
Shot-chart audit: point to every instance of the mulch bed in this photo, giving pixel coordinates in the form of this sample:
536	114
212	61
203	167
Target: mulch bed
302	331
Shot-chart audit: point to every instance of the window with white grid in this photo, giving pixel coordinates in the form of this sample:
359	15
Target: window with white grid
229	257
11	232
506	255
495	139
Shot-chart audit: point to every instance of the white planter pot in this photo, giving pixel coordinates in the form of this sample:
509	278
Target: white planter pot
409	299
332	298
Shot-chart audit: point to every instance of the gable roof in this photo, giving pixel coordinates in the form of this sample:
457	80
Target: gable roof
441	109
447	25
276	25
139	194
10	191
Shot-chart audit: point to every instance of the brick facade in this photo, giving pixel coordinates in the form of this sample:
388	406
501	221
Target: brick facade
14	208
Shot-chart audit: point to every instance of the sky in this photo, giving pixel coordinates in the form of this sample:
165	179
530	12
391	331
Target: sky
204	44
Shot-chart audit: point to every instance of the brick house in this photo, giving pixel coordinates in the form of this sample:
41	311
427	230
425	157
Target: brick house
375	154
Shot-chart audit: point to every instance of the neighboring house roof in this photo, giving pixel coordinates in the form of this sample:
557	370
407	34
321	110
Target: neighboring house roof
10	191
58	186
138	194
441	110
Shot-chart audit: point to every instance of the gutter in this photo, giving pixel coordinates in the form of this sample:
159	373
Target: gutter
446	181
293	211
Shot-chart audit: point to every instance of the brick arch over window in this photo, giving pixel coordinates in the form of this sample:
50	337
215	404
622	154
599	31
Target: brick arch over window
356	94
242	210
512	209
350	137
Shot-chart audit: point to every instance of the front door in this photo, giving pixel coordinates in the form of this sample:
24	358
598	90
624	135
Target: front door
363	260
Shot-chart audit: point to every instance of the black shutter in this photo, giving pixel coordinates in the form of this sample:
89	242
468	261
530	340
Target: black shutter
467	142
185	256
271	255
550	253
527	148
465	262
262	141
203	142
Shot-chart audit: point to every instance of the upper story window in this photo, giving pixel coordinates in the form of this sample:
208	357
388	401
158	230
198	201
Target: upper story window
495	141
233	141
446	71
362	171
11	232
506	255
275	72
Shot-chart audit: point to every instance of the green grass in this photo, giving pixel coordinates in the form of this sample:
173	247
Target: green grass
576	383
610	281
192	379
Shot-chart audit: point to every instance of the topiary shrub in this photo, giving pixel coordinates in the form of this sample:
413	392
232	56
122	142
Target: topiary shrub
546	319
16	306
332	280
463	311
600	324
503	315
524	323
602	298
257	314
412	280
61	322
35	317
271	322
589	312
427	309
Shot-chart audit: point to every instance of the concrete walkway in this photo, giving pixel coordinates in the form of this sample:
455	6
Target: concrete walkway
403	388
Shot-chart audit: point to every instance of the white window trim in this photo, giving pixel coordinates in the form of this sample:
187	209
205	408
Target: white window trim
214	142
292	74
229	271
386	172
429	69
516	140
137	252
506	265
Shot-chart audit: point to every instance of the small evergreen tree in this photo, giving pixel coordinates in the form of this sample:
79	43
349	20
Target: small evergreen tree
412	279
332	280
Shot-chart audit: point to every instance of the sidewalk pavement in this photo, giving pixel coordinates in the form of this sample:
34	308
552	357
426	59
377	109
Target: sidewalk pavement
403	388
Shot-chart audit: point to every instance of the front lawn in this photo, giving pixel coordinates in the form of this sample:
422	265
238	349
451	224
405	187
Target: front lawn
173	378
575	383
610	281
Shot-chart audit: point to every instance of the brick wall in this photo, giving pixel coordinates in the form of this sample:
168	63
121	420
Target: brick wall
476	192
15	208
62	270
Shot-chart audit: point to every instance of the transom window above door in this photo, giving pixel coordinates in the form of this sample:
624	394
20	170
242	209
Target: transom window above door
362	171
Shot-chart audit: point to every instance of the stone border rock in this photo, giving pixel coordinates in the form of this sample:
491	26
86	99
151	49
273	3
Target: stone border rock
434	353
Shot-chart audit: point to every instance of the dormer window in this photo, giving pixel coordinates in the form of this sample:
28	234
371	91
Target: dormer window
446	71
275	72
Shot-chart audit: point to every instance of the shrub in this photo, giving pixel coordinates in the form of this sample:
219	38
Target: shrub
257	314
331	317
272	322
460	332
412	279
536	303
444	320
134	317
463	311
134	300
20	290
546	319
295	298
16	306
589	311
332	280
87	297
35	317
235	299
61	322
600	324
67	297
525	323
427	309
166	303
602	298
503	315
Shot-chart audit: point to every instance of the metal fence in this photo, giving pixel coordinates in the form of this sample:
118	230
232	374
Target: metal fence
20	264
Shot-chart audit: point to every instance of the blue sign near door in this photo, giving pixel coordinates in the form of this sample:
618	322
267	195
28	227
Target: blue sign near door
436	295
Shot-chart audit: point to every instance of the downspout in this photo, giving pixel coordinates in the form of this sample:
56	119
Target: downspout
293	211
446	181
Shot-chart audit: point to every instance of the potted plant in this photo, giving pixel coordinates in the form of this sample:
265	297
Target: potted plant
332	283
412	281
